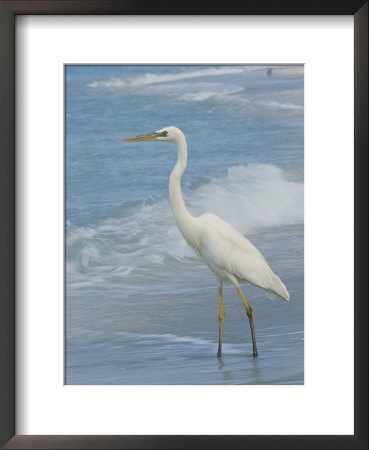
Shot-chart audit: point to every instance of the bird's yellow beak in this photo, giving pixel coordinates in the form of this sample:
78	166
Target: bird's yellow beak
142	137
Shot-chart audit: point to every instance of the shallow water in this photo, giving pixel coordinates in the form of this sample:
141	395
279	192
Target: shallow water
141	308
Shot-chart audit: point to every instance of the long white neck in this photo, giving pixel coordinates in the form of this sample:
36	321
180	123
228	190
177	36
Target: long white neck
185	221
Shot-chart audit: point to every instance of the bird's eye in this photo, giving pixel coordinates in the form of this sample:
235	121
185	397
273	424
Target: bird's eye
164	134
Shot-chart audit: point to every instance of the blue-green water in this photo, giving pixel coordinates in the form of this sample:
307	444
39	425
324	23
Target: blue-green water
141	307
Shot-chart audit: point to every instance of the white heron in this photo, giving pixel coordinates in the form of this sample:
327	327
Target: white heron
228	254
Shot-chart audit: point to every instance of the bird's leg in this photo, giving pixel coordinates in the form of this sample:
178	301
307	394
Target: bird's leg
221	320
250	315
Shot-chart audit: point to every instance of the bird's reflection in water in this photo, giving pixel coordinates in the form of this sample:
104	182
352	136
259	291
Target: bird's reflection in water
251	372
222	366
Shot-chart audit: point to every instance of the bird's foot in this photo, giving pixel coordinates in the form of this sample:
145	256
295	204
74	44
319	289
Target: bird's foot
255	353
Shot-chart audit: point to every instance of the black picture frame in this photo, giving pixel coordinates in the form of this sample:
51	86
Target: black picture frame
8	11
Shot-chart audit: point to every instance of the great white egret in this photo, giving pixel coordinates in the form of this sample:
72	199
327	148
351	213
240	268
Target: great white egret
228	254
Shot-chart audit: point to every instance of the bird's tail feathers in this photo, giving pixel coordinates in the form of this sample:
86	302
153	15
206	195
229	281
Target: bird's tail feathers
280	289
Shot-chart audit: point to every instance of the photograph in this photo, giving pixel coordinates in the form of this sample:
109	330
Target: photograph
184	224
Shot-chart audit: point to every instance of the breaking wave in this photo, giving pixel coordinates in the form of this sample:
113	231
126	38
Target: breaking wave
152	78
251	198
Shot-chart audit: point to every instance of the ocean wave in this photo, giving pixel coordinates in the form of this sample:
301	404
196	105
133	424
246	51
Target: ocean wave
217	87
152	78
280	105
225	96
250	105
251	198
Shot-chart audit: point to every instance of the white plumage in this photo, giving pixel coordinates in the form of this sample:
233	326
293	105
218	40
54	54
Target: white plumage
229	255
246	262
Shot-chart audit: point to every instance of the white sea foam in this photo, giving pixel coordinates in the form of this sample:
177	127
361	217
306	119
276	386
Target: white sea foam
222	95
251	198
152	78
250	105
279	105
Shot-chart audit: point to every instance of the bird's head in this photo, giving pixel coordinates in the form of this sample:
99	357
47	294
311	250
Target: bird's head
170	134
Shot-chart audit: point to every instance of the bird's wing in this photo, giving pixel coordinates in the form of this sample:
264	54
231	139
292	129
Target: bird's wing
227	251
